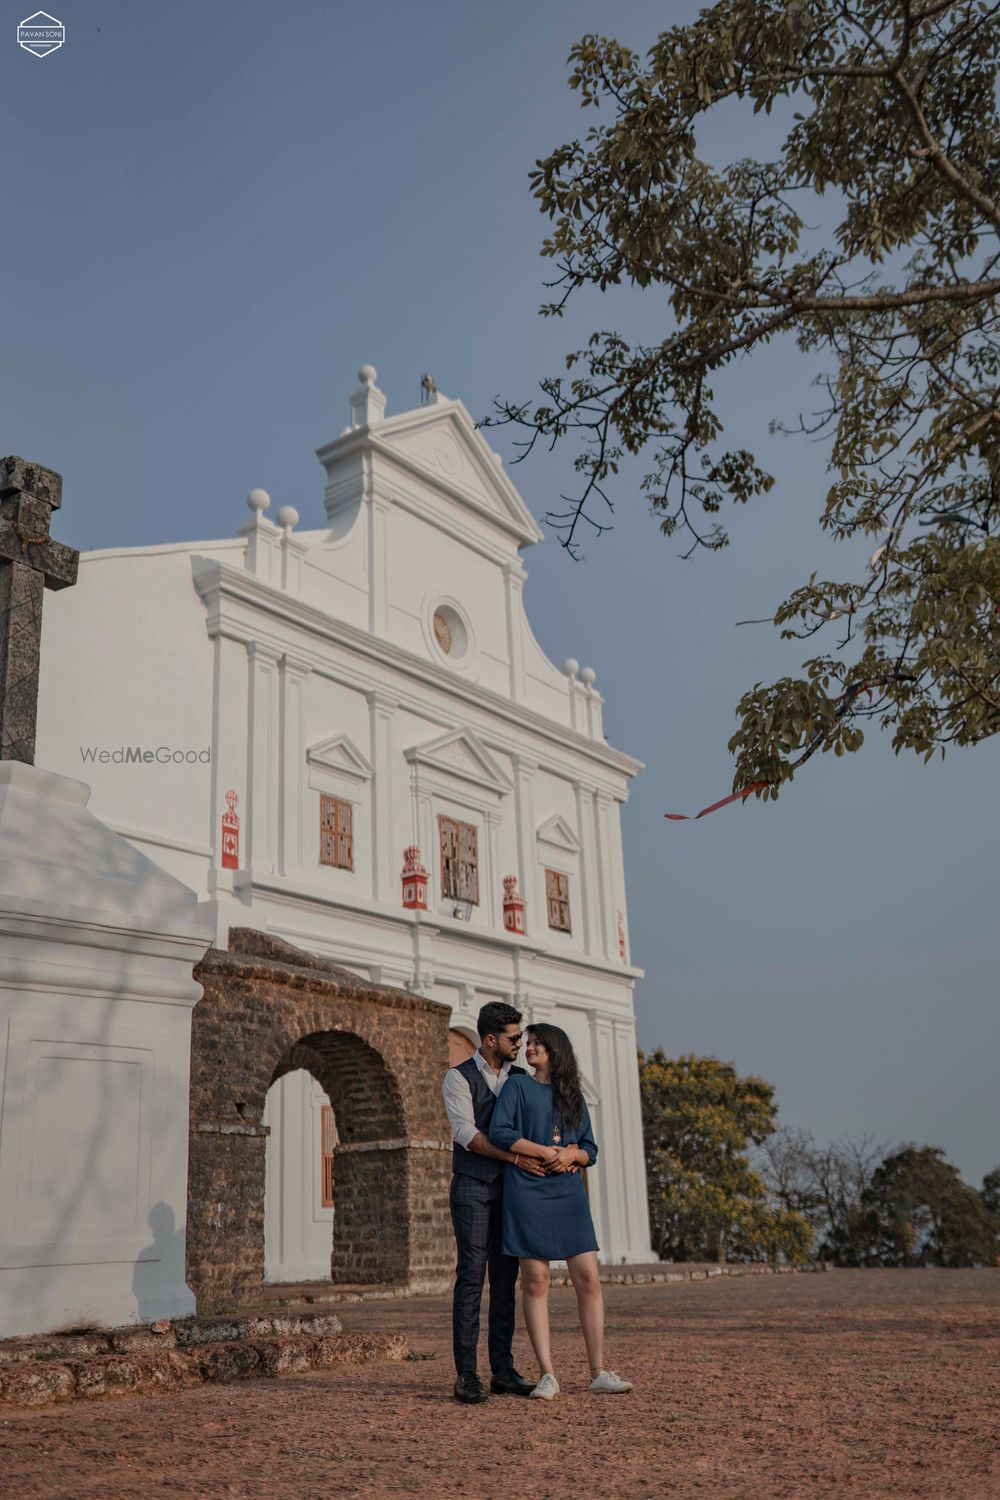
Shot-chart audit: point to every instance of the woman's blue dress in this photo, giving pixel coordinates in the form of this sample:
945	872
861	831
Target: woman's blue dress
545	1218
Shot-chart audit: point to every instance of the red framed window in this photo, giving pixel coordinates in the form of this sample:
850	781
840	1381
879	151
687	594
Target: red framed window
328	1144
336	833
557	900
459	860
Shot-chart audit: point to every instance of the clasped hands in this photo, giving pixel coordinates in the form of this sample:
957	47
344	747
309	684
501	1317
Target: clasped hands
550	1160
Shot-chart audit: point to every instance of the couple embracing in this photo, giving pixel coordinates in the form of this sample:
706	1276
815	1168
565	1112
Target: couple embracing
518	1201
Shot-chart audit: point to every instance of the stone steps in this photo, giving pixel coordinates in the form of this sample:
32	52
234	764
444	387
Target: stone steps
301	1295
84	1364
297	1294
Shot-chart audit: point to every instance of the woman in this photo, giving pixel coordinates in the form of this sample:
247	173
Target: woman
548	1218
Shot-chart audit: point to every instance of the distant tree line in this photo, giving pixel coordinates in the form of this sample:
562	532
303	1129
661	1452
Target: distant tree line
725	1183
869	1207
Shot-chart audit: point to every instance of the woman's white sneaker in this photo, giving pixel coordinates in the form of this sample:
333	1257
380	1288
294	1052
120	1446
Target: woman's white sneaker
546	1388
607	1383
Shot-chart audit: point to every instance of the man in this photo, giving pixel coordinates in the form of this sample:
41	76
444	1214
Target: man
470	1094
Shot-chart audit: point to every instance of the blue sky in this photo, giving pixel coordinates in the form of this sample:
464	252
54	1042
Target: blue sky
215	213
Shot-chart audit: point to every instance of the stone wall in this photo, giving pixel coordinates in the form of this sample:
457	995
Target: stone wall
380	1055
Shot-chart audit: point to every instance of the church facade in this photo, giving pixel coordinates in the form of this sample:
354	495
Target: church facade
348	738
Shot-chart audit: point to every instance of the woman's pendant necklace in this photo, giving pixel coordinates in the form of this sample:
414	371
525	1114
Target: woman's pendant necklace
556	1135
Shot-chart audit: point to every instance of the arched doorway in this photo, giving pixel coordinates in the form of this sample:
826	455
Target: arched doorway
337	1079
376	1056
299	1176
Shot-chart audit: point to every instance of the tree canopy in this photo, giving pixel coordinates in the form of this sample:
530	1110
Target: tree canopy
921	1213
908	1208
890	124
698	1118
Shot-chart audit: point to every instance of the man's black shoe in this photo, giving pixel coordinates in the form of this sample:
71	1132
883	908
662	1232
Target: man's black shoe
470	1388
510	1383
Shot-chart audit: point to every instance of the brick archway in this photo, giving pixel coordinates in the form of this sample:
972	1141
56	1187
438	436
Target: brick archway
372	1223
379	1053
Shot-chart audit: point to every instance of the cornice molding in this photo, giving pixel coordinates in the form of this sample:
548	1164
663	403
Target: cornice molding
290	893
218	584
514	517
557	833
340	754
459	754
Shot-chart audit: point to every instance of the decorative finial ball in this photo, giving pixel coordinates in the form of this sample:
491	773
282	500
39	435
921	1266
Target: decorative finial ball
367	374
258	500
571	667
288	516
588	676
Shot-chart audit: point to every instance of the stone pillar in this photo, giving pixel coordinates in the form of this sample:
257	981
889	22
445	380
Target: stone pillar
588	868
633	1167
262	757
262	557
97	946
605	881
293	551
514	577
491	864
612	1186
381	709
617	859
367	402
229	751
431	1259
527	850
426	836
291	763
378	541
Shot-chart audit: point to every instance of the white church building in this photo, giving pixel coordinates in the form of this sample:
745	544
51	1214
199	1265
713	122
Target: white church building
347	736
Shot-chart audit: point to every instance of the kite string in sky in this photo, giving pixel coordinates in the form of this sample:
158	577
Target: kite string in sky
758	786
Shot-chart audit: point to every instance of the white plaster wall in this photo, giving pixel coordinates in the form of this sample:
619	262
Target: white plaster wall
298	1230
335	573
97	947
428	567
128	663
545	686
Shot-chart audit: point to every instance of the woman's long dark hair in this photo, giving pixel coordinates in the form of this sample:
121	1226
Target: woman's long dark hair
564	1074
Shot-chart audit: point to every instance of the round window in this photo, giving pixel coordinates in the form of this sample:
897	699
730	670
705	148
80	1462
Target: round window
451	634
442	632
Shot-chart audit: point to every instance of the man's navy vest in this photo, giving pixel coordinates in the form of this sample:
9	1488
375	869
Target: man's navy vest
470	1163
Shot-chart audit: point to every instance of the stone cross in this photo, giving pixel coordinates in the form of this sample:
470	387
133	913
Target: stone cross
30	561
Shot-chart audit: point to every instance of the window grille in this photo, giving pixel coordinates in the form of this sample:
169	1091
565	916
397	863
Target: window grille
336	833
328	1143
459	860
557	900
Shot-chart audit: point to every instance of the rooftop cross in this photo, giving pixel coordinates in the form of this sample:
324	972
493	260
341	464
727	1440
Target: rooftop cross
30	561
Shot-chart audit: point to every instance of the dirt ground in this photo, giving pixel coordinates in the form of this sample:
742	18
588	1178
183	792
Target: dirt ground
856	1383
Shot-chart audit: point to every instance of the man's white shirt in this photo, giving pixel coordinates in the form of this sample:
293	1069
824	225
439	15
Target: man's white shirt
458	1097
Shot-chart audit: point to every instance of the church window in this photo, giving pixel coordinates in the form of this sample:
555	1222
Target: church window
557	900
459	861
336	833
442	631
328	1143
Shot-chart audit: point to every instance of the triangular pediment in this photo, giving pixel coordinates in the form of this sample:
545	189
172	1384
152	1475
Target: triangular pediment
559	834
441	443
339	753
460	753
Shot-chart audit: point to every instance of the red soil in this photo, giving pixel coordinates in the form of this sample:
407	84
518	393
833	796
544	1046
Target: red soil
858	1383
